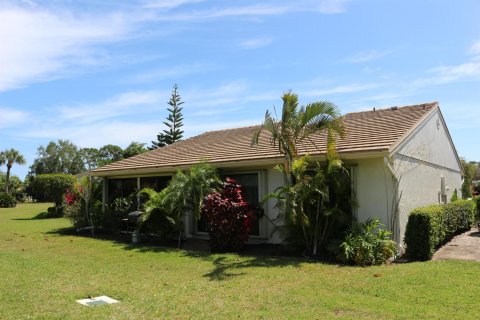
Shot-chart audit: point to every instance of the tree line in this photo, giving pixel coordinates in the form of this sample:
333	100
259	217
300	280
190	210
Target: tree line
63	156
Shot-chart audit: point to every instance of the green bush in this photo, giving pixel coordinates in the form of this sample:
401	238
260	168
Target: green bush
476	200
429	227
7	200
366	243
52	187
77	214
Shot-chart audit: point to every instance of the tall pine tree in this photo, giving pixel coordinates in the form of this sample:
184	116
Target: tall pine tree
173	122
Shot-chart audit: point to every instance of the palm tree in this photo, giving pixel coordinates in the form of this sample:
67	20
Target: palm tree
302	197
10	156
297	125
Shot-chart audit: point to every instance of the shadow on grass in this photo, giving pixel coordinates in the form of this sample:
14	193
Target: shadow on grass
40	216
225	266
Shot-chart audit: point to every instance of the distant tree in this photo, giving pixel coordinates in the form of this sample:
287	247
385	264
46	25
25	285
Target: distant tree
90	157
133	149
15	185
109	153
173	122
10	157
60	157
469	170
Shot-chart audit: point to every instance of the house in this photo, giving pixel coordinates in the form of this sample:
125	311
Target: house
399	158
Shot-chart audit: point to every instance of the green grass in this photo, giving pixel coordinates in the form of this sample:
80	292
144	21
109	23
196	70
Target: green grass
43	272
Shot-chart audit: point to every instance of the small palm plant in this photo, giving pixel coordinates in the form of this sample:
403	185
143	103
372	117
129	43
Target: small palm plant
305	206
184	194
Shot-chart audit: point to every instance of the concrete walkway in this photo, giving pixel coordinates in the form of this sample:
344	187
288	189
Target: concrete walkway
465	246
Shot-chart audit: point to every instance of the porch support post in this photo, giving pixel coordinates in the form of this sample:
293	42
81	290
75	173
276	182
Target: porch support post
186	224
104	194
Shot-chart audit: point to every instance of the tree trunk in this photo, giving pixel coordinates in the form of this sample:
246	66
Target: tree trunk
7	180
315	229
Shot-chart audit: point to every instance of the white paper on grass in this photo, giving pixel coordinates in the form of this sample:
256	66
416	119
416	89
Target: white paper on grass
97	301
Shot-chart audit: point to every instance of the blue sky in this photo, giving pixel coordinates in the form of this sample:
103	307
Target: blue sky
101	72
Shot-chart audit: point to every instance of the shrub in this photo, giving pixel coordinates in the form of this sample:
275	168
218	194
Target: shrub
7	200
229	217
476	200
366	243
454	196
77	214
158	218
52	187
429	227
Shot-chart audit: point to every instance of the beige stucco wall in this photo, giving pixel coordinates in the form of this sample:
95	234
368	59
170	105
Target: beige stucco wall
275	179
374	190
420	163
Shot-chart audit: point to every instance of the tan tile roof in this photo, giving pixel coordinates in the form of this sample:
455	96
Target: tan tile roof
367	131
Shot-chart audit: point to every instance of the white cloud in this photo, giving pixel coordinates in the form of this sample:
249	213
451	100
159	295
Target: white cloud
10	117
40	45
369	55
331	6
340	89
168	4
99	133
175	72
475	49
128	103
256	43
467	71
448	74
274	8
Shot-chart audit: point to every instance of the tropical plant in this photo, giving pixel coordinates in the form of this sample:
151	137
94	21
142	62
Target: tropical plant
296	125
311	209
10	157
187	190
184	194
366	243
229	217
173	122
156	217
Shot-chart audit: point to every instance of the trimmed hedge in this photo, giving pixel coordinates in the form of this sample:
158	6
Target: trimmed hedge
7	200
429	227
477	204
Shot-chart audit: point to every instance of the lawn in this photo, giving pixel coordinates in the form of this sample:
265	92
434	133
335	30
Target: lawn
43	272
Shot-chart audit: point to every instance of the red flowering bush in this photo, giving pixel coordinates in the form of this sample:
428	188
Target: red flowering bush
71	197
229	217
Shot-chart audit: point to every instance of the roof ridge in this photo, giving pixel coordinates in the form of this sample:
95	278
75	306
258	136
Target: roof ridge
367	132
433	103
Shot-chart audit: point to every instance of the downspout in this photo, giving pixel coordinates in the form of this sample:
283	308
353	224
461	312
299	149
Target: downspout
395	180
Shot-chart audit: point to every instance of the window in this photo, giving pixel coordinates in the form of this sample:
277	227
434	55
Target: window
155	183
121	188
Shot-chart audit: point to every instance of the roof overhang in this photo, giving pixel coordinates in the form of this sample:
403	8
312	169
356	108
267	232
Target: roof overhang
240	164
